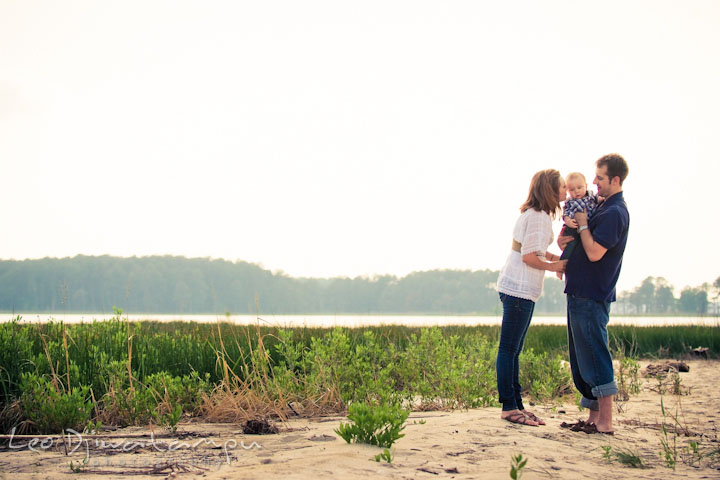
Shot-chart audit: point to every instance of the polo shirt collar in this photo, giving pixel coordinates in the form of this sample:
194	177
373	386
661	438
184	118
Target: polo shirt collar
618	197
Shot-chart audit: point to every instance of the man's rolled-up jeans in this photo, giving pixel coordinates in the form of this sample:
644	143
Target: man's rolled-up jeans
590	360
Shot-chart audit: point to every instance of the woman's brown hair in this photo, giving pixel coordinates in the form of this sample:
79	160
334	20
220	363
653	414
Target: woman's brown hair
543	193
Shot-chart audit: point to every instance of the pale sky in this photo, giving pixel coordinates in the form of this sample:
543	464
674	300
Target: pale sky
344	138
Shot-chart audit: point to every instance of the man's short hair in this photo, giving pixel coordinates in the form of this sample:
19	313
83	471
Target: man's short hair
616	166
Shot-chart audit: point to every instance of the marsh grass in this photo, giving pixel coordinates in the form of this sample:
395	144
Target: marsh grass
139	372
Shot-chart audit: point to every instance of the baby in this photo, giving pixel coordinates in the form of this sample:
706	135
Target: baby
579	199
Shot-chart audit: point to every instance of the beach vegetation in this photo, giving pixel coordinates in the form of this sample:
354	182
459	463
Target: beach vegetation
629	459
119	372
51	407
517	465
385	455
668	440
374	424
624	457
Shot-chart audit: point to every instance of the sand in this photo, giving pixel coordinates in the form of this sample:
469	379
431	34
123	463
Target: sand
460	444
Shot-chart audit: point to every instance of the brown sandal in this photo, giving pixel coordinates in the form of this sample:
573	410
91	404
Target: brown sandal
574	427
534	418
591	428
519	418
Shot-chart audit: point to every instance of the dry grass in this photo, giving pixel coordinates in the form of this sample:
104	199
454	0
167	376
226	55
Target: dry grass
259	396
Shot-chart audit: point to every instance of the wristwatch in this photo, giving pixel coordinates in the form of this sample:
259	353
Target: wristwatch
582	227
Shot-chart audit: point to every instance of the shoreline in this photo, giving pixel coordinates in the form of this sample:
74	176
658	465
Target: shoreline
353	320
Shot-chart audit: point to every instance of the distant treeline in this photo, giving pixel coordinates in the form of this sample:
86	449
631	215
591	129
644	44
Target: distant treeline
167	284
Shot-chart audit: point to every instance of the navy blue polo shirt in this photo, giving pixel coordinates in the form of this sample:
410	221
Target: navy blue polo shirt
609	226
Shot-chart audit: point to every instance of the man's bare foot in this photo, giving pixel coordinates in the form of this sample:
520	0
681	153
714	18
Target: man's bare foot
516	416
593	417
604	427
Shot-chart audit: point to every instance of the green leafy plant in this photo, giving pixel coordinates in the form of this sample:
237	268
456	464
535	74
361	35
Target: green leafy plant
628	378
92	427
171	419
677	387
629	459
376	425
52	408
693	453
517	465
385	455
667	441
544	376
80	467
607	452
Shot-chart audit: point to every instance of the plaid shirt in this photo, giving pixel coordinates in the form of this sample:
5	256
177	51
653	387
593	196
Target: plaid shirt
588	203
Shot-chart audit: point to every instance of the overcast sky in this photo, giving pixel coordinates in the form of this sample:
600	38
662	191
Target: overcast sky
344	138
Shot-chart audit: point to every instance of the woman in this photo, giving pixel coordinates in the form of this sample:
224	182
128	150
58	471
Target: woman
520	285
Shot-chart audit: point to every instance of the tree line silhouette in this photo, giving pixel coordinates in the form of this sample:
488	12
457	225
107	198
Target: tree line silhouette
170	284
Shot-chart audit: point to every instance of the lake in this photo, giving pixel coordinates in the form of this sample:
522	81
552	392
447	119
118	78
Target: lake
358	320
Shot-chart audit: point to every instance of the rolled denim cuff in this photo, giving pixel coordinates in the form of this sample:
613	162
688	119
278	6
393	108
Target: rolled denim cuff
591	404
605	390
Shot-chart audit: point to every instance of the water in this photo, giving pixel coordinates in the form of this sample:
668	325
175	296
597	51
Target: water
357	320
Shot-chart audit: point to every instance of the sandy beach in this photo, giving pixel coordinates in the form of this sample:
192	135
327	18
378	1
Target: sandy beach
439	444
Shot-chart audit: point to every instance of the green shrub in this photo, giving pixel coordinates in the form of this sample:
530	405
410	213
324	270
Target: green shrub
376	425
52	409
544	376
158	397
448	371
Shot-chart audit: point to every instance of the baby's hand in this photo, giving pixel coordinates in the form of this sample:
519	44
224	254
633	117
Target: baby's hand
570	222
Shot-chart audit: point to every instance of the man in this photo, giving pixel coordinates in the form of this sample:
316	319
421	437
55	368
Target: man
591	274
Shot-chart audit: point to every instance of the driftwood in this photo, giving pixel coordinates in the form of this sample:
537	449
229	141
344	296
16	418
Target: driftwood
164	468
654	370
261	426
700	352
677	428
60	436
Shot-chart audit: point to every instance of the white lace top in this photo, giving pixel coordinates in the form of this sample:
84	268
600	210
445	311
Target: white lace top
533	230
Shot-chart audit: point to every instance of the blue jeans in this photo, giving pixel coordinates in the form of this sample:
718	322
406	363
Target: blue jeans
517	313
590	360
569	232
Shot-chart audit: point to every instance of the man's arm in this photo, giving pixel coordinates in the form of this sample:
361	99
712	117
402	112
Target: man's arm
594	250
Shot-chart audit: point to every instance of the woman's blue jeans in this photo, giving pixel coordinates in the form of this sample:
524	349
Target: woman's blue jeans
517	313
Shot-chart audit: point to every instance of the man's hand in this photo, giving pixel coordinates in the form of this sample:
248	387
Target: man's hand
563	241
581	218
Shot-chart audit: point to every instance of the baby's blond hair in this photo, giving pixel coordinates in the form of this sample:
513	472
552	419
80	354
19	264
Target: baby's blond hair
575	176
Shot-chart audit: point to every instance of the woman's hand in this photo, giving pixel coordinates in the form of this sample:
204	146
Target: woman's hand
557	266
532	260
